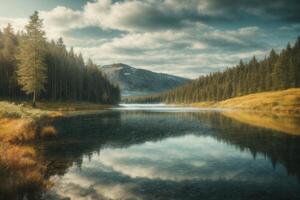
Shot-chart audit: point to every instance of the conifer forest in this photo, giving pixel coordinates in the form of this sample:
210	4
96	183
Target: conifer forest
65	75
277	71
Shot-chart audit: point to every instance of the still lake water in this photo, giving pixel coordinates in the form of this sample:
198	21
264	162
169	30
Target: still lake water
157	152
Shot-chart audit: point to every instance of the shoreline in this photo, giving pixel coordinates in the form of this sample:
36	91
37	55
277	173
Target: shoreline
20	123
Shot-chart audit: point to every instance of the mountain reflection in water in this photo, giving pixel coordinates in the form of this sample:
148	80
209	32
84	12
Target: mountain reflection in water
161	154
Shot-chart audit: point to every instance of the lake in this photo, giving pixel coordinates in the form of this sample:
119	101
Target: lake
157	152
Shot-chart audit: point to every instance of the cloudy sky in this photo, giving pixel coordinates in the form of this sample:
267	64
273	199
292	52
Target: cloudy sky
183	37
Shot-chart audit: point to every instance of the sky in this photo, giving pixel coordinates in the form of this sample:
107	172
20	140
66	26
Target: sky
188	38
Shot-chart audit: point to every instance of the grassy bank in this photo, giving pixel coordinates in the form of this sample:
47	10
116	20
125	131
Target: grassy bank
19	122
24	168
17	111
64	107
280	102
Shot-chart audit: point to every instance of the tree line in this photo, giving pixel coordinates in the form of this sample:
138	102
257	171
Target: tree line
275	72
31	65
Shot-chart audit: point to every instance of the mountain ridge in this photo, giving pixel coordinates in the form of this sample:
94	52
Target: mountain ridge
138	82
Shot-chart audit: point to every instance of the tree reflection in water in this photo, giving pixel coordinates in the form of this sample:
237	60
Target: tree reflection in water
80	137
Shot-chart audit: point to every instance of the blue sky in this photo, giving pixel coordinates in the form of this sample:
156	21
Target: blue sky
187	38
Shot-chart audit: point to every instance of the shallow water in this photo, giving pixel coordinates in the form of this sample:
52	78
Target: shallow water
162	152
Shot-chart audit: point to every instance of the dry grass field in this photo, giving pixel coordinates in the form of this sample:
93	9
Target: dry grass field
281	102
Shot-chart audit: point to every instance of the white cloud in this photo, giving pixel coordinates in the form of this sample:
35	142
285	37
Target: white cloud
17	23
94	12
128	15
143	41
61	19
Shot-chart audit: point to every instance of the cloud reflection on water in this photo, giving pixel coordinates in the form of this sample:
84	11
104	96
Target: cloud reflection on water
128	173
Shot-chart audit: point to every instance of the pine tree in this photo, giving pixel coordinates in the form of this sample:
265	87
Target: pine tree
32	70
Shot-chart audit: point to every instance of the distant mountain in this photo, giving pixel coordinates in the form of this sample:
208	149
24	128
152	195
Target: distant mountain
136	82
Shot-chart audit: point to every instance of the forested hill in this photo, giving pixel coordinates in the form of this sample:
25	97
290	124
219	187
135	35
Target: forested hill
68	77
275	72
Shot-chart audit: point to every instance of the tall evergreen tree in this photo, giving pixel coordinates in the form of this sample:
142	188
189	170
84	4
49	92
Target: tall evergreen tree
32	71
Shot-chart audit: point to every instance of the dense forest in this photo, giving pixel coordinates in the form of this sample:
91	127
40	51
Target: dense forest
66	77
275	72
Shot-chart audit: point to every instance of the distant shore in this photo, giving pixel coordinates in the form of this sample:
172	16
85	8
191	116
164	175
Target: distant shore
285	102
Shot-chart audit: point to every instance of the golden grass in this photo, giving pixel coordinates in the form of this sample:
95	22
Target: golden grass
285	124
22	165
285	102
48	131
17	156
12	110
16	130
19	122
